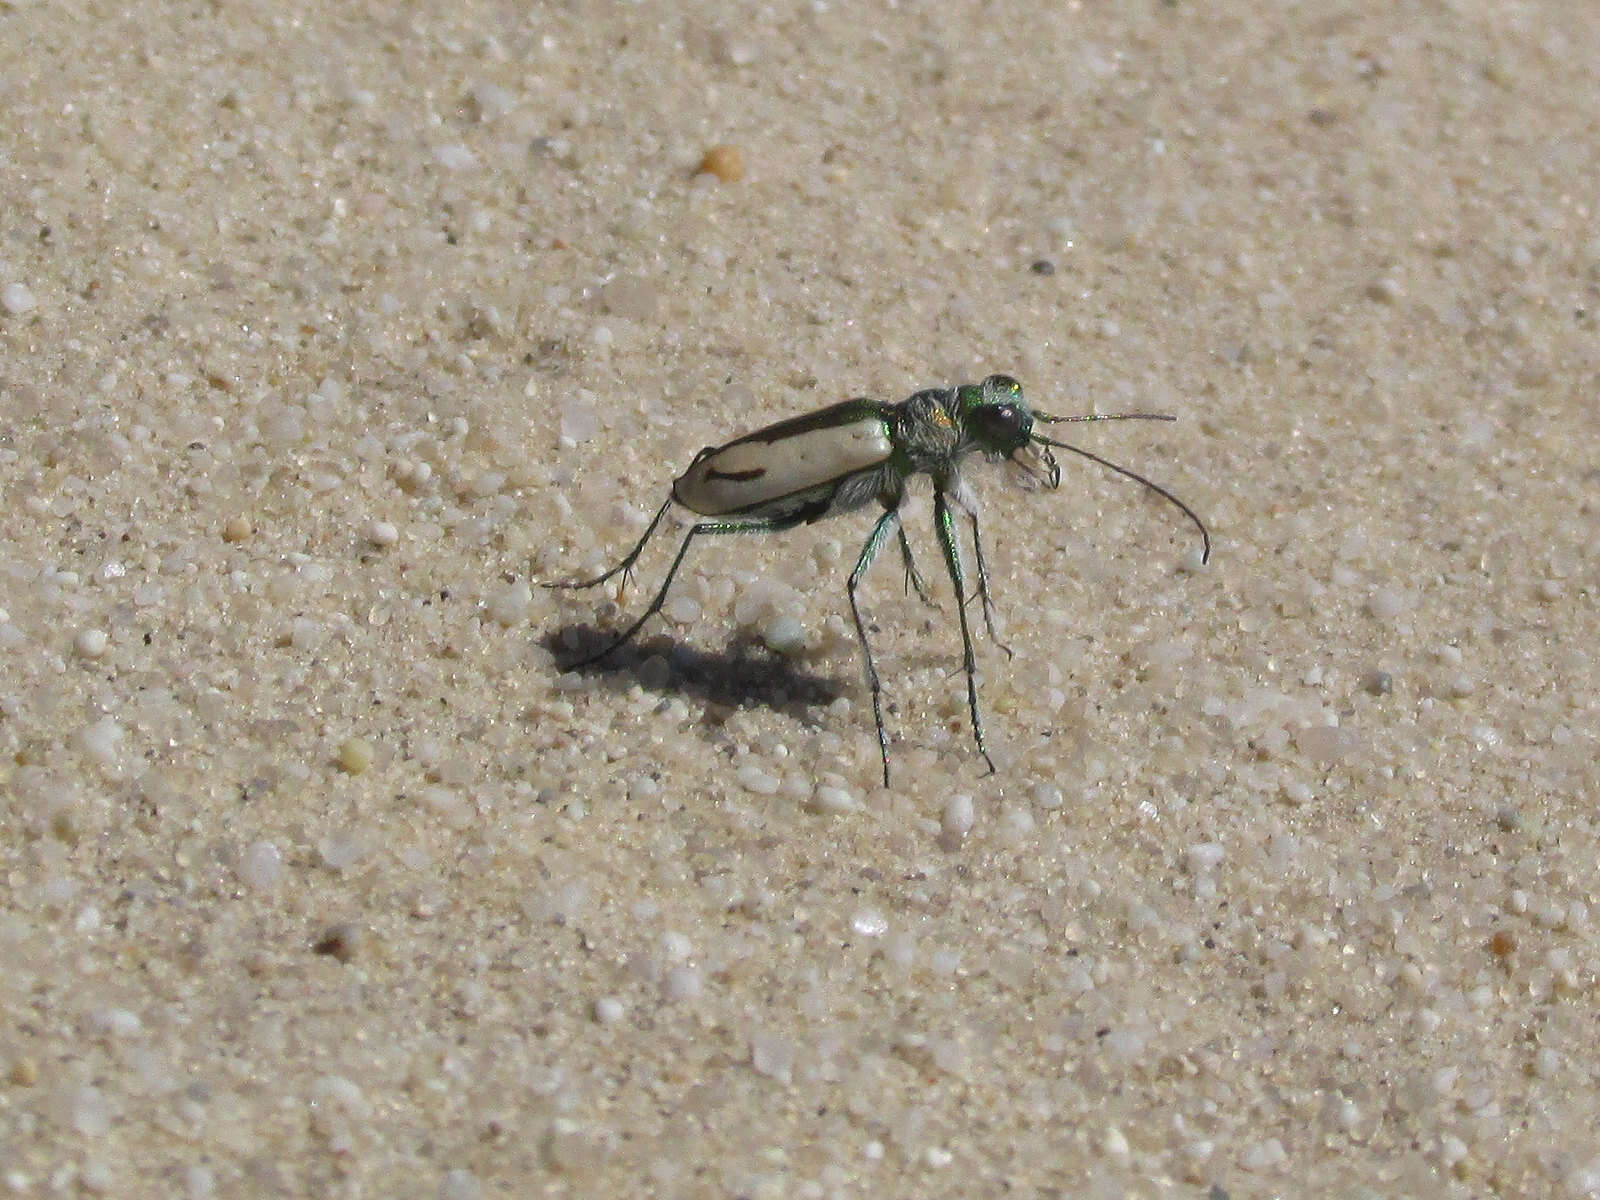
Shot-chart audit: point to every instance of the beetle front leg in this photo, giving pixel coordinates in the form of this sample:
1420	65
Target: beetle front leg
983	585
945	526
913	577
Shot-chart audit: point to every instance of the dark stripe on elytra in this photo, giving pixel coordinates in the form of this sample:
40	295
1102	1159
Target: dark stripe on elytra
737	476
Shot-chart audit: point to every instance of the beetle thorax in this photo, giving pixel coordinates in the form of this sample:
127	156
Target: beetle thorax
930	434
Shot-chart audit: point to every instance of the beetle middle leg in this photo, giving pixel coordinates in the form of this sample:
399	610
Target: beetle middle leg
913	576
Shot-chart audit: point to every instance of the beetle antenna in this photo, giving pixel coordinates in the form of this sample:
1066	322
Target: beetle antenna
1205	534
1041	416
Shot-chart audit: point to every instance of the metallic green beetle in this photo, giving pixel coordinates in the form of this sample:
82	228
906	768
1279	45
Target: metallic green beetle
847	455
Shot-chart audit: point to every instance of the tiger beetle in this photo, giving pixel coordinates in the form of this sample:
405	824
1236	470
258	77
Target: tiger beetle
845	456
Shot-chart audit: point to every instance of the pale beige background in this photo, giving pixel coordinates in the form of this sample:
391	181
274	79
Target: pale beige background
325	328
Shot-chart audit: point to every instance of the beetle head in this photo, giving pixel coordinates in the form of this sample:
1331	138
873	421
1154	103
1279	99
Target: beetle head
1000	424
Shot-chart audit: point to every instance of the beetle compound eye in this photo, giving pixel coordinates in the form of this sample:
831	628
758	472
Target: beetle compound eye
1001	424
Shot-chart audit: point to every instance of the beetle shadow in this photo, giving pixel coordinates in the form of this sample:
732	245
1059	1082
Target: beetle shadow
745	672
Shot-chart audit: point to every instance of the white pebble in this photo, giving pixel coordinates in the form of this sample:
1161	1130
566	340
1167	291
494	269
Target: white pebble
283	425
16	299
740	52
784	635
58	891
676	947
579	419
959	816
199	1182
1116	1144
101	740
869	922
1199	1150
1546	1063
1123	1045
1296	792
1386	604
1193	561
460	1184
830	799
492	101
381	533
900	949
683	610
682	983
89	1112
608	1010
342	849
261	864
1016	822
753	779
91	643
1348	1115
448	805
455	157
773	1055
510	605
752	604
331	1092
1047	796
411	475
1203	856
115	1023
1062	228
1326	744
1263	1155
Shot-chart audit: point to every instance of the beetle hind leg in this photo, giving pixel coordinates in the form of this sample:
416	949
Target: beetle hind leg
625	567
748	525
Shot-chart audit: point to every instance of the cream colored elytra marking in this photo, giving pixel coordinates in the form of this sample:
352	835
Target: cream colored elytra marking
754	472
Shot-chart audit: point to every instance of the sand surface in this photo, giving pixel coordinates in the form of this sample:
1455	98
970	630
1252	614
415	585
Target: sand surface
328	331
